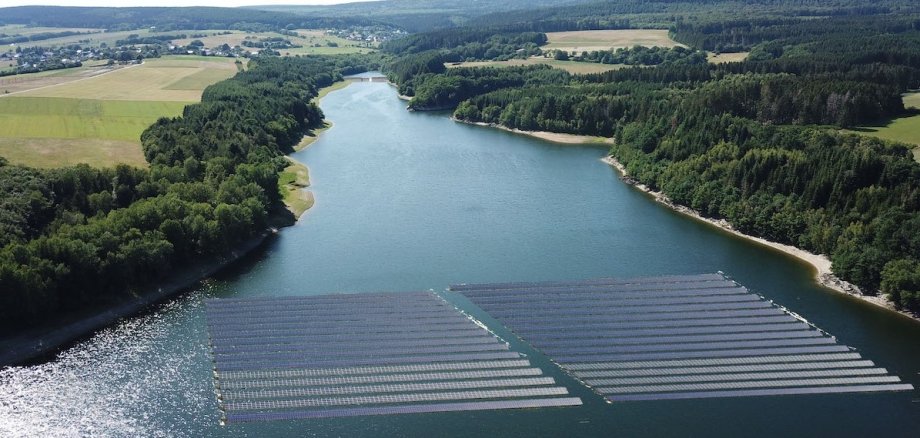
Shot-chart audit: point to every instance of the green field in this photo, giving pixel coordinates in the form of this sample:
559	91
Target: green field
98	119
569	66
314	42
903	129
592	40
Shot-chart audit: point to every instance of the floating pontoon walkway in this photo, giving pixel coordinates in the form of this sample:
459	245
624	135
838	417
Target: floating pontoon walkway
677	337
364	354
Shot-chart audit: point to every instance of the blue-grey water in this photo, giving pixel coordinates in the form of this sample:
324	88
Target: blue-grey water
414	201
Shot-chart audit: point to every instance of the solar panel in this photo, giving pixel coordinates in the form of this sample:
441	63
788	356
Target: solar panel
522	284
352	343
379	334
743	336
551	295
699	354
764	392
627	333
715	361
336	350
388	360
691	346
393	398
582	327
378	378
232	394
287	332
605	309
650	287
656	380
748	384
238	417
347	371
724	369
333	352
574	317
551	301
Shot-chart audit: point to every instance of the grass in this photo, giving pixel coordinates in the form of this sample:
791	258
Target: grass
98	119
590	40
903	129
291	182
722	58
308	38
161	79
55	117
569	66
58	152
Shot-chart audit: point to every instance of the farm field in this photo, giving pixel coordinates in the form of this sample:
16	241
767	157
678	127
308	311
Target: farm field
591	40
98	120
569	66
21	29
308	39
20	83
174	79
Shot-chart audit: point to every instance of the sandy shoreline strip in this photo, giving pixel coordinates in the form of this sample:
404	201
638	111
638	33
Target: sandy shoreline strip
554	137
821	264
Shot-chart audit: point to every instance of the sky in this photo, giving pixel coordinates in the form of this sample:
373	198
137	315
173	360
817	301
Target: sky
225	3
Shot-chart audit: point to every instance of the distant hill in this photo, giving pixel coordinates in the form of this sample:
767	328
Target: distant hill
167	18
420	15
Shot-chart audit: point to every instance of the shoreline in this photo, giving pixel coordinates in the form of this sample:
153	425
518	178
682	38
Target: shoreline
820	263
554	137
37	344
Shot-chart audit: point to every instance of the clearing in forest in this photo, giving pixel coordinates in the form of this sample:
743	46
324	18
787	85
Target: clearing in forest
569	66
591	40
98	119
903	129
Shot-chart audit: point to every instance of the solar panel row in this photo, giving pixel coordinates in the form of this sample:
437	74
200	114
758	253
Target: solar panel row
393	398
678	337
302	357
232	394
239	417
364	379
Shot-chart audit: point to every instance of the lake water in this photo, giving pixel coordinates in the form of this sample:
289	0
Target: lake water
413	201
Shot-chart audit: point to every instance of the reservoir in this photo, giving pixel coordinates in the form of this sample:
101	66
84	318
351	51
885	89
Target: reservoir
414	201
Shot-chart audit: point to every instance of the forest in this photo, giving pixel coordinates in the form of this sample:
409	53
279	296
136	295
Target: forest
757	143
78	237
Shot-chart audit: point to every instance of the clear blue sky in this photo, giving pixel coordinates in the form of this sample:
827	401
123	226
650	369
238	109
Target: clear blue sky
4	3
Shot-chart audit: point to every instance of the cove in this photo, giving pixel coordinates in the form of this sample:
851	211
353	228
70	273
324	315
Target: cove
413	201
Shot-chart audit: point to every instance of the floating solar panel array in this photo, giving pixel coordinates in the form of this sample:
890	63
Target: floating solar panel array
677	337
364	354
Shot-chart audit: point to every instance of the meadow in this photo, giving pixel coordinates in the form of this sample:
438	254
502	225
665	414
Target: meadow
591	40
903	129
569	66
98	119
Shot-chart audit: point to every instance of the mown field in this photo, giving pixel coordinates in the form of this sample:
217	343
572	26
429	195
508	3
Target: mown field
570	66
903	129
98	120
719	58
591	40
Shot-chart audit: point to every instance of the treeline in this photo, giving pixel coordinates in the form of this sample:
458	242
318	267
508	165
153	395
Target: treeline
447	90
166	18
79	236
640	55
743	34
40	36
